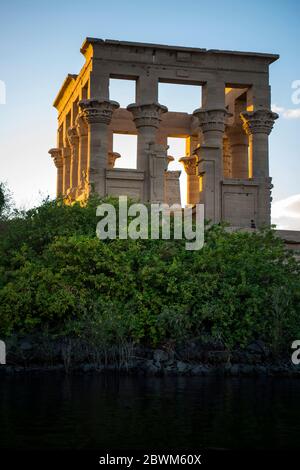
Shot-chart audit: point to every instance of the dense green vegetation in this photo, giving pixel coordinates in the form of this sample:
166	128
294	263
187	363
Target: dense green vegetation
55	275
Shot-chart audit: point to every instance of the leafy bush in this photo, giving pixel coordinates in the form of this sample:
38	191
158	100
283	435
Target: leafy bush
56	275
6	202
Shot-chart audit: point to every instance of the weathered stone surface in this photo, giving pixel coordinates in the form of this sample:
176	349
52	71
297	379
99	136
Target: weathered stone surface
232	186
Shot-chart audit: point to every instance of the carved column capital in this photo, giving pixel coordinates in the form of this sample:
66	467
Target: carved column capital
190	164
173	175
213	119
148	114
56	154
170	159
112	156
82	128
260	121
72	135
97	111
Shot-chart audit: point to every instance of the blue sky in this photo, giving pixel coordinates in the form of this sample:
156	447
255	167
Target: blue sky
40	42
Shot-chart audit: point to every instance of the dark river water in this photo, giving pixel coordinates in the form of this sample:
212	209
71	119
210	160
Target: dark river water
105	412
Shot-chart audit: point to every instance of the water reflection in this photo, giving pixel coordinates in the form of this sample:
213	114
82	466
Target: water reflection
105	412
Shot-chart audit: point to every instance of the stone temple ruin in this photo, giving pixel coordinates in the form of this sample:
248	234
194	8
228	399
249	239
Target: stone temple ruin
227	156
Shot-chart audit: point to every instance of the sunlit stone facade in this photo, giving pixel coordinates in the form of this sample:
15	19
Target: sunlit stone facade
227	156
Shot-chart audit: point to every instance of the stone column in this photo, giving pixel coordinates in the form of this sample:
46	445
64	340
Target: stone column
73	139
192	142
161	138
190	164
258	126
60	136
238	142
82	131
158	164
110	144
97	114
147	119
66	157
212	124
56	154
227	158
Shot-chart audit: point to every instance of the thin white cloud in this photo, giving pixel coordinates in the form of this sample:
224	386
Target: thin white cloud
291	113
286	213
286	113
277	109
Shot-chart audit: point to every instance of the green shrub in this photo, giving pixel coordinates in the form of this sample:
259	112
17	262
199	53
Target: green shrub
56	275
